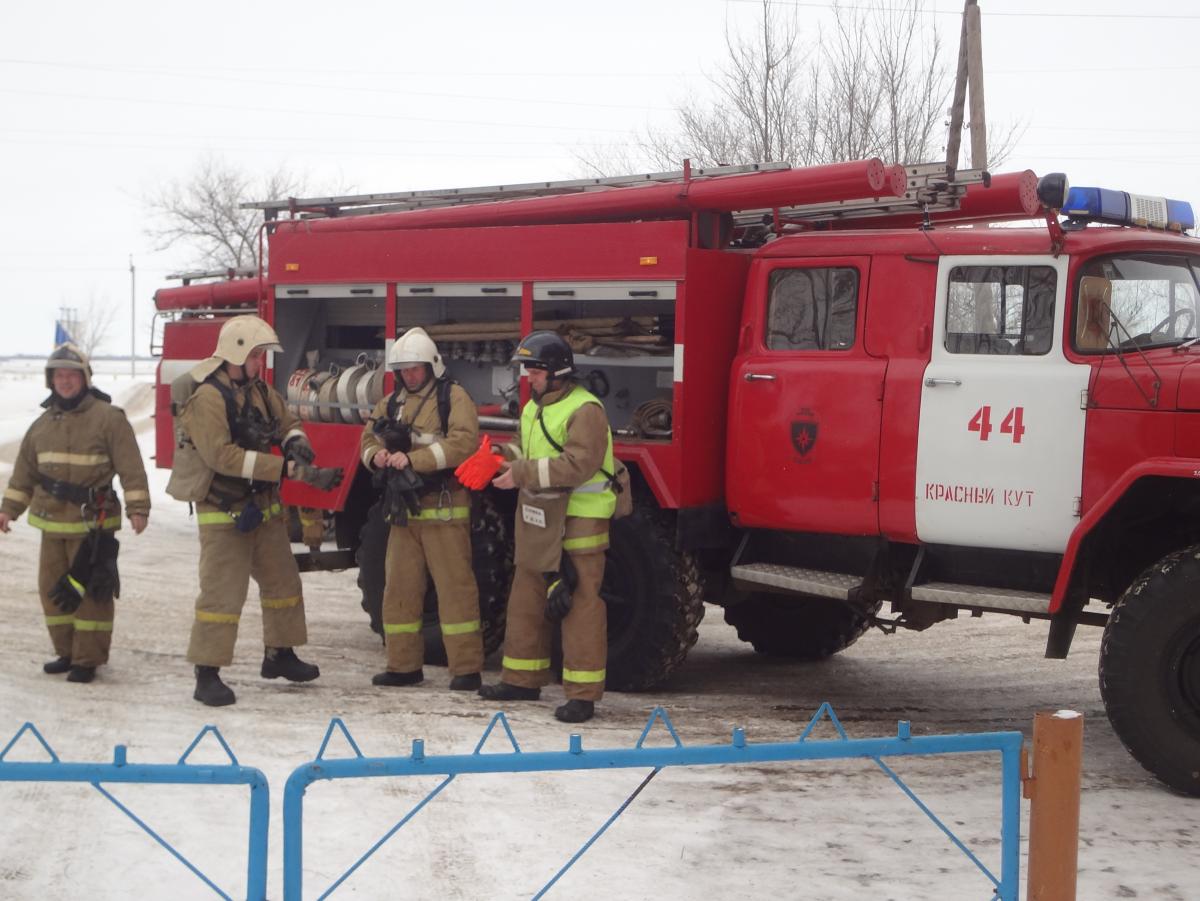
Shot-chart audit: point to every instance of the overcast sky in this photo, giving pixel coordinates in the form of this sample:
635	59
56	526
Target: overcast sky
104	103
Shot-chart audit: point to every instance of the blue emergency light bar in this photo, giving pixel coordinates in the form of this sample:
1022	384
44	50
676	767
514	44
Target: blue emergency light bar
1120	208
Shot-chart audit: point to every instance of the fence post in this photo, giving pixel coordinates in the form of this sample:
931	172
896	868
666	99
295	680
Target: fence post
1053	790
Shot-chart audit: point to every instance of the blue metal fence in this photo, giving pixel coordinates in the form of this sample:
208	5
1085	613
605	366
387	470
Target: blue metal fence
1007	744
180	773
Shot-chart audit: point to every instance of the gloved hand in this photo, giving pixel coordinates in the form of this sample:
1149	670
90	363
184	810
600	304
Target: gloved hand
477	470
297	448
322	478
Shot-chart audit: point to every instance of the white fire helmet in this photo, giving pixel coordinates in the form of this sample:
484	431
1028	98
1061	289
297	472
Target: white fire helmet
239	336
68	356
413	347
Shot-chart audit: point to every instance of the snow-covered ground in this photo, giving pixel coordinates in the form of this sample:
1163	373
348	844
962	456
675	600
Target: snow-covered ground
813	831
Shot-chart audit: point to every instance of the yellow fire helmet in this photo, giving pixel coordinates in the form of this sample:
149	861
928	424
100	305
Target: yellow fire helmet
413	347
239	336
68	356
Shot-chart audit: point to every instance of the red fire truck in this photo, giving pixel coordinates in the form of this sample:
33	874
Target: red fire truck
837	388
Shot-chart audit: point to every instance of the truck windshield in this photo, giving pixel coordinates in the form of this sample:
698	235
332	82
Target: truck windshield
1136	300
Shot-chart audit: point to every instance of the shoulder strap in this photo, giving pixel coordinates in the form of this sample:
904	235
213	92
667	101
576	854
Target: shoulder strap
444	386
393	404
231	411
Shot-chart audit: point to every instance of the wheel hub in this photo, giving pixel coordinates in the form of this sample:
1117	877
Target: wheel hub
1189	679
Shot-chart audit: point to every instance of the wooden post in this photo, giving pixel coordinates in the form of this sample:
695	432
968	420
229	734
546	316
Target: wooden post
954	139
1053	789
975	82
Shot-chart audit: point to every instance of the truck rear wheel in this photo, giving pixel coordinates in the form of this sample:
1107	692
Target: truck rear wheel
491	552
800	627
654	601
1150	670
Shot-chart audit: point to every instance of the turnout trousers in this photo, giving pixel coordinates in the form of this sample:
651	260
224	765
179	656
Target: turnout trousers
428	548
85	635
228	560
529	635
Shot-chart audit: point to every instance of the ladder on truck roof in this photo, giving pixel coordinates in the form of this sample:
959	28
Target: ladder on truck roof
363	204
930	187
227	273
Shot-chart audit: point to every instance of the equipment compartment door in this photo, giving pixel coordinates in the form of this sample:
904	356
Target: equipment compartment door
805	401
1000	447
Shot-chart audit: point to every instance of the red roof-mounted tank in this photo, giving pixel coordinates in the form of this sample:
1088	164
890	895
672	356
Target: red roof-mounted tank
234	293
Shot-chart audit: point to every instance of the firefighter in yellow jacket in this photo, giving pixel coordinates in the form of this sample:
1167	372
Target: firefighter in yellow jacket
563	465
228	423
413	441
63	474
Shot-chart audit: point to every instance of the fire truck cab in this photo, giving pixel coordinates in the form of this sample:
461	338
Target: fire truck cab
838	389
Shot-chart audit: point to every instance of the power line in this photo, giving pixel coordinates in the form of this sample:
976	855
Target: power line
174	103
387	73
259	137
358	89
1015	14
288	149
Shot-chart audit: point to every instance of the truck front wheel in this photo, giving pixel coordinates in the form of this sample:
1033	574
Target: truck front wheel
796	626
1150	670
652	592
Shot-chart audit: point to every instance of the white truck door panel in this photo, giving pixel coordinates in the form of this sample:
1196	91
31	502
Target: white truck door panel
1000	445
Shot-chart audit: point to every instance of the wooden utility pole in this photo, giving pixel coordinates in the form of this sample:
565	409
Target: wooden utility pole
970	72
975	78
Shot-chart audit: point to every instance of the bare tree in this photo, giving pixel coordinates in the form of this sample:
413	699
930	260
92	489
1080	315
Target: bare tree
759	114
90	330
202	212
874	84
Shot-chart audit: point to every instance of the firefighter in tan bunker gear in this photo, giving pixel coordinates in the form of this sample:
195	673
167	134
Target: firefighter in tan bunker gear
563	464
63	474
228	423
431	426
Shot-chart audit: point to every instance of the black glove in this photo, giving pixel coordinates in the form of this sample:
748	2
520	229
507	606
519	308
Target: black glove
67	594
298	449
559	589
105	581
322	478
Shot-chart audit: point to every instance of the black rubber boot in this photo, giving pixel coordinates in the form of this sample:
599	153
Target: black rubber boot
283	663
57	667
575	711
502	691
398	680
466	682
210	690
81	673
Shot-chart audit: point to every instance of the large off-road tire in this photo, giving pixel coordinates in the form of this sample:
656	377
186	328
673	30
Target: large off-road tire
1150	670
491	552
802	628
654	601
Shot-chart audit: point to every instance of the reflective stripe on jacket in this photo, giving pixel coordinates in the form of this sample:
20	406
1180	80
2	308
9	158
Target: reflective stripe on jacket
84	446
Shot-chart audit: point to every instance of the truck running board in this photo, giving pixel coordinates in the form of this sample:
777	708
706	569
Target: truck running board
981	596
793	578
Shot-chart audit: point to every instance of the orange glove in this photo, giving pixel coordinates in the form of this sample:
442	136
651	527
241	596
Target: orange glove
477	470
